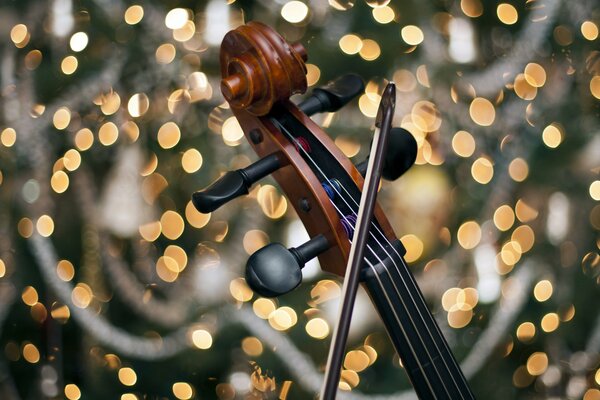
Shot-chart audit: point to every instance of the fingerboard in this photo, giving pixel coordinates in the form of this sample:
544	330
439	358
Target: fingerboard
423	350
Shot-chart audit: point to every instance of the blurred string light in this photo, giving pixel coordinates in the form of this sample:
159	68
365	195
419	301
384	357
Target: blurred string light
134	14
294	11
462	40
507	13
78	41
412	35
62	17
217	21
383	15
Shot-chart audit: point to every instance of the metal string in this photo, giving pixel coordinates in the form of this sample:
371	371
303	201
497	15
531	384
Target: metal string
375	254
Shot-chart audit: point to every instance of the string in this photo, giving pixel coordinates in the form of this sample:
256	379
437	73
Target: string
452	360
389	274
406	286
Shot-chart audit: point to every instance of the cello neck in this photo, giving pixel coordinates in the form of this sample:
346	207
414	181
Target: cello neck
425	354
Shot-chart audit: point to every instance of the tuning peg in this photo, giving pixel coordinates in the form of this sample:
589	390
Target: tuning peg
334	95
400	155
234	184
275	270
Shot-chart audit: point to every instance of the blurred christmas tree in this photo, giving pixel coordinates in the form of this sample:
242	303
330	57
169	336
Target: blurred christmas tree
111	118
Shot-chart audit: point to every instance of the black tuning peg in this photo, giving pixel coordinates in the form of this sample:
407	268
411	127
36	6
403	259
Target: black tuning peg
334	95
234	184
400	156
275	270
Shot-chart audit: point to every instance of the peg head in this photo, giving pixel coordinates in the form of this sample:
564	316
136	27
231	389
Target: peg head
273	271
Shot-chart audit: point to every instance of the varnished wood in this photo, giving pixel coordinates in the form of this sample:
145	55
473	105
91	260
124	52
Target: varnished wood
259	69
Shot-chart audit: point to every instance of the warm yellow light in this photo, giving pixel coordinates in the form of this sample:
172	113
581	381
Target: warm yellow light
463	144
65	270
504	217
552	136
524	236
469	235
79	41
172	224
33	59
523	88
412	35
108	133
69	65
176	18
232	132
252	346
59	181
459	318
183	390
84	139
537	363
294	11
595	190
45	225
240	291
109	102
507	13
18	33
194	217
543	290
348	146
82	295
186	32
272	203
202	339
191	161
177	254
61	118
313	73
317	328
414	247
350	44
370	50
127	376
356	360
550	322
471	8
72	159
525	212
518	169
263	307
134	14
29	296
8	137
482	170
31	354
535	74
526	331
383	15
482	111
595	86
165	53
589	30
150	231
138	105
72	392
25	227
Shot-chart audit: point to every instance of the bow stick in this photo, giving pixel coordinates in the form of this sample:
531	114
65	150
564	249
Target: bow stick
368	196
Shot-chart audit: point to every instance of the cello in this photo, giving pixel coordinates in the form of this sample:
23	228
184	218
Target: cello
260	71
